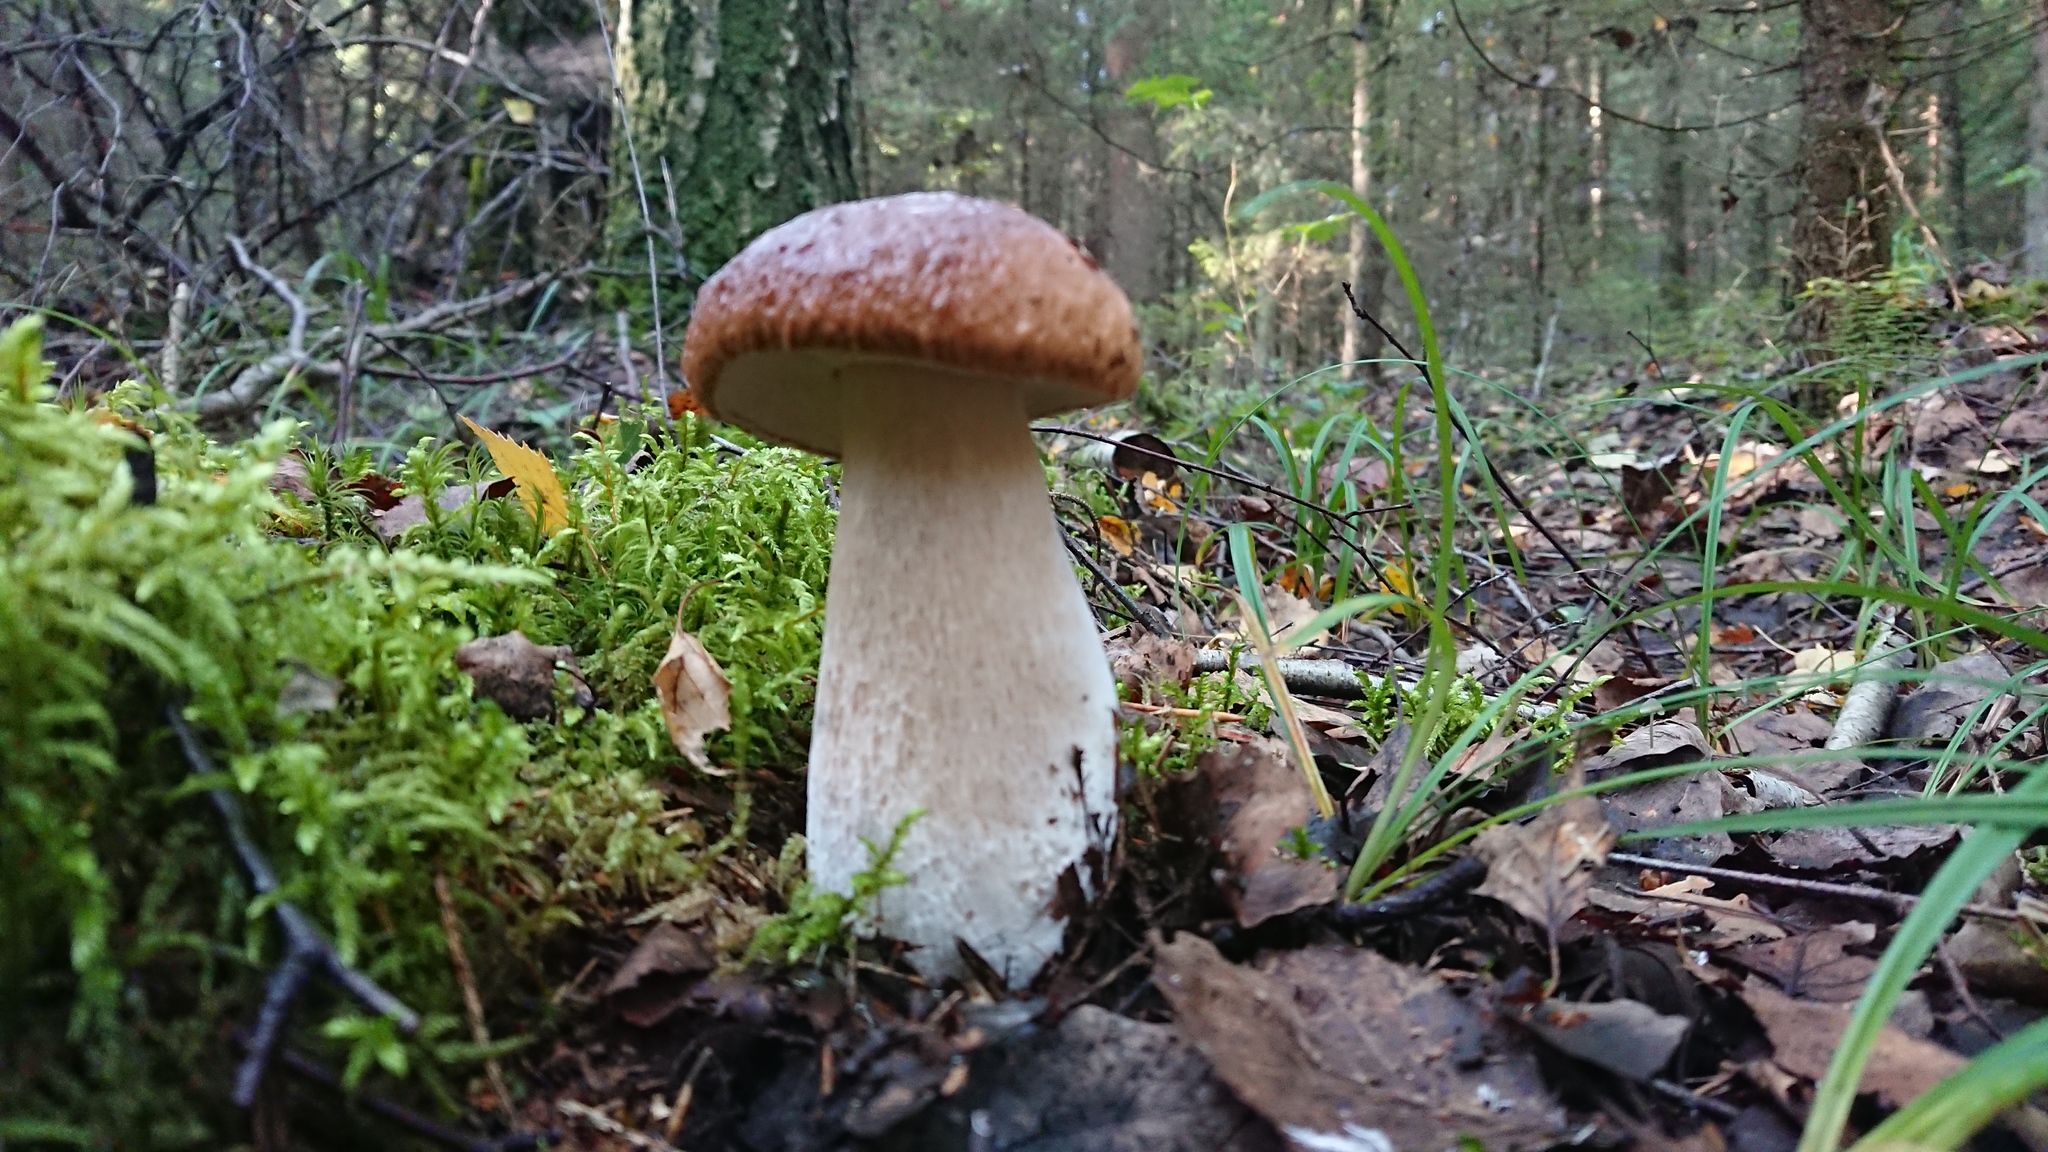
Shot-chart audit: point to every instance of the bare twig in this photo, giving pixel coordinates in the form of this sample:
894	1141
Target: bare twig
1897	900
611	1127
306	948
472	1001
433	1131
256	381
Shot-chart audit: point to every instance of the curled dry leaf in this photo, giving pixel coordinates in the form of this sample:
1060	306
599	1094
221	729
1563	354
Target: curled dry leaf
695	697
516	672
1342	1048
1260	798
1544	869
1147	660
1804	1037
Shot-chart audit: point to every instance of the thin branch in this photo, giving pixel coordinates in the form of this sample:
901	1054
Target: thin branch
307	949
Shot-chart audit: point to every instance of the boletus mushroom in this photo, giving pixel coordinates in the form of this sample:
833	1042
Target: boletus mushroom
914	338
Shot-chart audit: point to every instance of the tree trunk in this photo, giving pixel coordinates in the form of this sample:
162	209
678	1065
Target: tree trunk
1676	264
1957	189
1848	72
1366	268
2036	261
1132	241
741	116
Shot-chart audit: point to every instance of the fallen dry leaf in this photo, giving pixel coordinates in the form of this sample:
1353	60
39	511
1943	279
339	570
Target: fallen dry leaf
1815	965
1731	921
539	488
1654	745
1147	660
1805	1035
515	672
1544	869
1951	694
1335	1044
1678	800
1259	799
1627	1037
666	950
1118	533
695	697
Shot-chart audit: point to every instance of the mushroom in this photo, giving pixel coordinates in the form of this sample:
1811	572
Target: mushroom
914	338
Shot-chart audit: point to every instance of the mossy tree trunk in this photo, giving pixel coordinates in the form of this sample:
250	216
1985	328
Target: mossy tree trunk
741	114
1848	73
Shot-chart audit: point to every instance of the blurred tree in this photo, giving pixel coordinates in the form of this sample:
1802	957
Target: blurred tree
739	115
1849	76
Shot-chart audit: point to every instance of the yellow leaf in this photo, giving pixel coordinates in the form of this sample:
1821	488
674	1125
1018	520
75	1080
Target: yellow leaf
539	488
519	111
1119	533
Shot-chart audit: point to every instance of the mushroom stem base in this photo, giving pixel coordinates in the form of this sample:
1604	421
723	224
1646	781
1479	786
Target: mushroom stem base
962	675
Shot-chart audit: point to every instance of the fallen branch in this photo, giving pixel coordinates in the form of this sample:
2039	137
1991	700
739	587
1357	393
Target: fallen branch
307	949
1872	694
299	357
1899	901
306	1068
472	1001
611	1127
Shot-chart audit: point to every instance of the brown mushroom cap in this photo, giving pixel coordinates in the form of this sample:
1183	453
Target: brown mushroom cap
930	278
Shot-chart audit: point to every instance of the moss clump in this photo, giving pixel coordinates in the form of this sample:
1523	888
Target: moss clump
127	934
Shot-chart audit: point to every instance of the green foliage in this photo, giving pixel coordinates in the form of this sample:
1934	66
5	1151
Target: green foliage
127	923
1165	92
820	920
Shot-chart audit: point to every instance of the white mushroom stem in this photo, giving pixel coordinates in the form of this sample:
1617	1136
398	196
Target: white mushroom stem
962	675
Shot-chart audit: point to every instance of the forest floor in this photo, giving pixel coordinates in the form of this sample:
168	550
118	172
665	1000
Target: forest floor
1547	986
1738	647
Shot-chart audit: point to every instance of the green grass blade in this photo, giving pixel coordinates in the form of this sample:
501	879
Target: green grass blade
1915	939
1953	1111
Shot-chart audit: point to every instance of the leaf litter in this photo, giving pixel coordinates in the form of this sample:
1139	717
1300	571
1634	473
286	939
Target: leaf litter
1252	1015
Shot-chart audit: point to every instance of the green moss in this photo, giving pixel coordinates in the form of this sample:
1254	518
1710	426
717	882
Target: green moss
127	933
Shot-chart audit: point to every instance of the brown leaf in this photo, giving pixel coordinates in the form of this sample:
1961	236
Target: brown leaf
1655	745
291	476
1149	659
1544	869
1646	486
1678	800
515	672
380	491
1805	1036
1627	1037
1732	921
666	950
1994	959
1331	1043
1615	691
411	511
1954	689
695	697
1815	965
1260	798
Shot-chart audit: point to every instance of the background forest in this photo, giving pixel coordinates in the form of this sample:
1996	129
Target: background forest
405	686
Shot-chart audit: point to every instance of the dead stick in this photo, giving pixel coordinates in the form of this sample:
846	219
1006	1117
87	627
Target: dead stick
1898	900
306	948
472	1002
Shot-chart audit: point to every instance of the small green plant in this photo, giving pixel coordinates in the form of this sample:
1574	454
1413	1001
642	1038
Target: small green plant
1299	844
819	920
